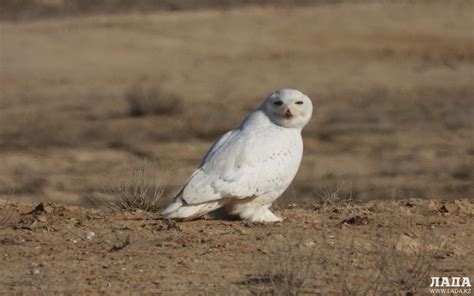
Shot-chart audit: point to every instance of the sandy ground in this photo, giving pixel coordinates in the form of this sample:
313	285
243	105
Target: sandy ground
379	247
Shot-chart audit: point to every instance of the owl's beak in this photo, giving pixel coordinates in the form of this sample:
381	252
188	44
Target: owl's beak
288	114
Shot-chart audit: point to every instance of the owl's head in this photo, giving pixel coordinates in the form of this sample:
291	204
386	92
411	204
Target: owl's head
288	108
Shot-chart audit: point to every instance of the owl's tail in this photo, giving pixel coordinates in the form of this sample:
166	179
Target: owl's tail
179	209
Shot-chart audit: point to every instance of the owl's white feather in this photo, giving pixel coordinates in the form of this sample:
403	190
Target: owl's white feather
249	167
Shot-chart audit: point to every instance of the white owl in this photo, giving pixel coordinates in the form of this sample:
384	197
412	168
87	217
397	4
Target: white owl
250	167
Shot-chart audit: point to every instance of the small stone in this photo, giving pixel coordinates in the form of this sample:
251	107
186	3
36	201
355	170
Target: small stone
356	220
35	271
240	231
39	209
90	235
41	218
448	208
279	237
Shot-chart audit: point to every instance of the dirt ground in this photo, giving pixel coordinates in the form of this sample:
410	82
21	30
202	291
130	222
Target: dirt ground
345	248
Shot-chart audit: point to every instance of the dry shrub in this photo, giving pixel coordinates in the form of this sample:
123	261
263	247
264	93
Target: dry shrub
144	100
27	181
24	180
329	198
406	272
394	268
37	129
335	195
289	271
141	190
462	172
401	263
7	212
293	274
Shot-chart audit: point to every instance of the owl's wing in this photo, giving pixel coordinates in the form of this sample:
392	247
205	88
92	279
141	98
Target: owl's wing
217	145
239	165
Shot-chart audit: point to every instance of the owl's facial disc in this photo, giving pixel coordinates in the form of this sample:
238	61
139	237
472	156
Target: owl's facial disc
289	108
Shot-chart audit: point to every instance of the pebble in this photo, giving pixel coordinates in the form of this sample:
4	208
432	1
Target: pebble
279	237
41	218
90	235
240	231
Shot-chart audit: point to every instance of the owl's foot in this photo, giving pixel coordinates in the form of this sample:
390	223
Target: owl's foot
260	214
267	216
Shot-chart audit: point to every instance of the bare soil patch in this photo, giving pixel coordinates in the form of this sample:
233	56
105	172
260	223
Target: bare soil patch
371	248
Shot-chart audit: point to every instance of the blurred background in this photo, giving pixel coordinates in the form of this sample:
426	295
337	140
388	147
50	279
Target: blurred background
89	89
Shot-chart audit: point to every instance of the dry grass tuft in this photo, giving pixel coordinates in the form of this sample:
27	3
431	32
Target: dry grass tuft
144	100
7	212
294	274
141	190
289	271
406	272
335	195
398	265
330	198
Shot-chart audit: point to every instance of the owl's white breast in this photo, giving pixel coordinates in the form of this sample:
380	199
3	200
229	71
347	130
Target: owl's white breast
277	149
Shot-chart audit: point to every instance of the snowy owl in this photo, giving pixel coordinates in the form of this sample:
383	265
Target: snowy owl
249	167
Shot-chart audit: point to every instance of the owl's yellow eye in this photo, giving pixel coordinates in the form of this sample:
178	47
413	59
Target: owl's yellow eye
299	103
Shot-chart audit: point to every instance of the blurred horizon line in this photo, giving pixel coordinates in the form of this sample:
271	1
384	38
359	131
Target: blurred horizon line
26	10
